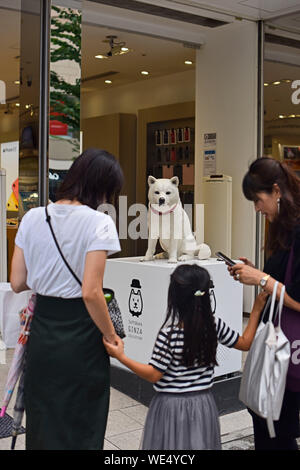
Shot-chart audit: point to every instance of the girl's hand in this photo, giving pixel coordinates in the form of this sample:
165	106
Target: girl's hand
114	350
246	274
260	301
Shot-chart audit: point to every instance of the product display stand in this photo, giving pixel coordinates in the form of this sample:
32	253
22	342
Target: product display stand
141	289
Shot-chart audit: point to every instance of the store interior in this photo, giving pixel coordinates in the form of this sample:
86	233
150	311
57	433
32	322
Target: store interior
132	94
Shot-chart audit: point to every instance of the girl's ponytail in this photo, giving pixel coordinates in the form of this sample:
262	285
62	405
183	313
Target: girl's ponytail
189	306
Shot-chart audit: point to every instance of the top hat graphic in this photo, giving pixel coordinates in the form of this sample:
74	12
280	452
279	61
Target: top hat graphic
136	284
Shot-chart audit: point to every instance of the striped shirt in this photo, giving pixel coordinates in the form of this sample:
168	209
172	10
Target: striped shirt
167	358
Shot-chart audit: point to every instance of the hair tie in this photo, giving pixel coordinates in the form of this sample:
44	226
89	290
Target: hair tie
199	293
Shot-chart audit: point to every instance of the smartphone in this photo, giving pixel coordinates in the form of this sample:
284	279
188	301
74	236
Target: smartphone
225	258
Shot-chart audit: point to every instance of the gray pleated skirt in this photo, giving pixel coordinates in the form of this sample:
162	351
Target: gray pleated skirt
182	421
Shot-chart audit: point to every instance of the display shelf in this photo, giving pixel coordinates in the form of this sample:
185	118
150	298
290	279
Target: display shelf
170	152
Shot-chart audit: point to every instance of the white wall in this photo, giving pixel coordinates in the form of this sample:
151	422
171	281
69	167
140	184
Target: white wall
169	89
226	103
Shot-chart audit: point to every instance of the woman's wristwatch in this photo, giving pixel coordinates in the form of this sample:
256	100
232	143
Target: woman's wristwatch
264	280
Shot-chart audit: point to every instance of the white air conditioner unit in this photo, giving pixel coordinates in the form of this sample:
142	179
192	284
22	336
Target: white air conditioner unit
217	190
3	237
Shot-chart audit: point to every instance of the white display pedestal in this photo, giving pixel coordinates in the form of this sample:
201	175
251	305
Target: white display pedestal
148	304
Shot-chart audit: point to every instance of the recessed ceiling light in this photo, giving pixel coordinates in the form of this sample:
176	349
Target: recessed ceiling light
144	72
100	56
17	82
276	83
124	49
292	115
266	84
287	80
281	116
17	104
188	62
108	81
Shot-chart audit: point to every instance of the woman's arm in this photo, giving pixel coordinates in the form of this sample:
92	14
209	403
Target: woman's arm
252	276
18	272
244	342
93	296
145	371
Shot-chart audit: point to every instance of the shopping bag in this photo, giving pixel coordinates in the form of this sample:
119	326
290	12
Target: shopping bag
264	376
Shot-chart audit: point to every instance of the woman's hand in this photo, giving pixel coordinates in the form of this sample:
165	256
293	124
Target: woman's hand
246	274
111	339
246	261
114	350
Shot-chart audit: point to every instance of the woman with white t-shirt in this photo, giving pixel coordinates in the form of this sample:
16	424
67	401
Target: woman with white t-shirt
67	370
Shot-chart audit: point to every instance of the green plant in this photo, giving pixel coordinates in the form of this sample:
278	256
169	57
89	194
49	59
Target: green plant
65	45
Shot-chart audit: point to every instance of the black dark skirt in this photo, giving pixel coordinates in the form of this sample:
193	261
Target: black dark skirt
67	380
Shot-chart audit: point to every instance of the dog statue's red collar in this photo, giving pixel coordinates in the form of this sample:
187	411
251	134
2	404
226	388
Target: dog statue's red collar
163	213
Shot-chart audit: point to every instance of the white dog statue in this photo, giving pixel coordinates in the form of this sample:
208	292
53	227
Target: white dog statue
169	223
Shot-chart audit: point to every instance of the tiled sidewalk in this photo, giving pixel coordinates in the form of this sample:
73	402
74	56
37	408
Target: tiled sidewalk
126	420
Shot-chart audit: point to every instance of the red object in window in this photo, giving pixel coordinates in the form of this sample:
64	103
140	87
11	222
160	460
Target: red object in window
15	188
58	128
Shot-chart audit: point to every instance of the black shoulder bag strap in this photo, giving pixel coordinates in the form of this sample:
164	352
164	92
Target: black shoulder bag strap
48	220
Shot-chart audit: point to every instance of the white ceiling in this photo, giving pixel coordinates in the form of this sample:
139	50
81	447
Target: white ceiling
251	9
159	57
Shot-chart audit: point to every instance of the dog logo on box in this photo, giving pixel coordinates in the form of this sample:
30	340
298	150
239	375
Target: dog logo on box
135	299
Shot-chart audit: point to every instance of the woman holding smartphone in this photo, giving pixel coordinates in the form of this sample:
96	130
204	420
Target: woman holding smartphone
275	191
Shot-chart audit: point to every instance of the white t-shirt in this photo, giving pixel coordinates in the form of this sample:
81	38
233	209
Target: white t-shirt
78	230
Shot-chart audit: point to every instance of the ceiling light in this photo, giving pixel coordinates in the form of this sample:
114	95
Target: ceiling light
266	84
276	83
100	56
17	82
281	116
292	115
17	104
287	80
188	62
144	72
124	49
108	81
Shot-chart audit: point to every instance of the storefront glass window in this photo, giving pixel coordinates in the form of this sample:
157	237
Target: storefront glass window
10	20
138	103
282	94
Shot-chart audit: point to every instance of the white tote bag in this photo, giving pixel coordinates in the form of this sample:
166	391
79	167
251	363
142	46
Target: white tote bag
264	376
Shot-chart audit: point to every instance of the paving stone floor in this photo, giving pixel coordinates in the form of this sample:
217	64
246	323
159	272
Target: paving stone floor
126	420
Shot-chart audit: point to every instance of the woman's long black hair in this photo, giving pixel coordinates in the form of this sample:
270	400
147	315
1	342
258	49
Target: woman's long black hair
94	178
261	177
194	313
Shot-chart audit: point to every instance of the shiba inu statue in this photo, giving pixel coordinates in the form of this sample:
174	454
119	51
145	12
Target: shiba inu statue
169	223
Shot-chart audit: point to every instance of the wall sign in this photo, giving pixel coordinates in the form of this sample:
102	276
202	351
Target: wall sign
209	154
